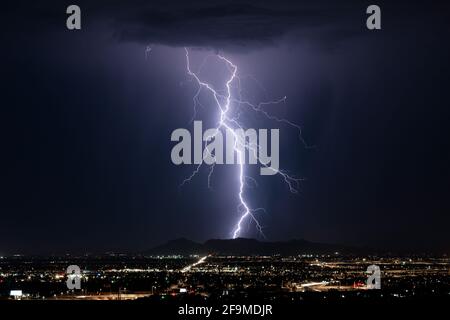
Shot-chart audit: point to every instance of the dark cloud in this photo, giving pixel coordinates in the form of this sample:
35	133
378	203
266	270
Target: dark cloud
237	25
247	25
229	24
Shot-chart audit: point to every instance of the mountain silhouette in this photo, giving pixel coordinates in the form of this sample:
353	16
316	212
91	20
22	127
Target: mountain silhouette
245	246
181	246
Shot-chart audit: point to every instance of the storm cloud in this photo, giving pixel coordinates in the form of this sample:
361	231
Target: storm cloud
230	24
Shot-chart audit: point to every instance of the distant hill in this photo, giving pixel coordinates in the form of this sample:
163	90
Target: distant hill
180	246
243	246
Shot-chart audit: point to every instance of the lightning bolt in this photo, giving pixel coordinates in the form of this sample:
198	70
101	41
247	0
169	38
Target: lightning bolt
227	122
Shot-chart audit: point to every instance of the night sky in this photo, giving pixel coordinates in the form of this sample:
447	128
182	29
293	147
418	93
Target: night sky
86	121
